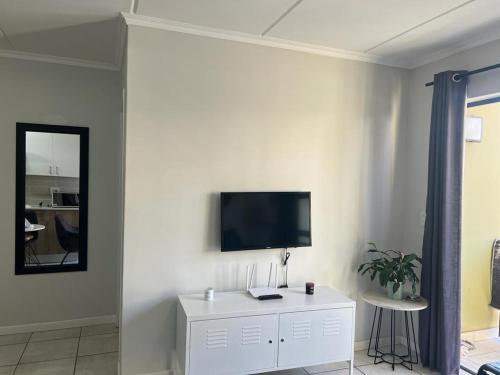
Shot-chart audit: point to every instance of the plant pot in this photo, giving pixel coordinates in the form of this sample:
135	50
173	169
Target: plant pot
398	295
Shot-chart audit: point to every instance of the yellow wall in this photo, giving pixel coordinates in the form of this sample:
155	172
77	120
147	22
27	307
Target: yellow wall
481	220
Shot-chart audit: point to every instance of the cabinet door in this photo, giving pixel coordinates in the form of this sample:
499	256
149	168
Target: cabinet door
39	153
315	337
236	345
67	155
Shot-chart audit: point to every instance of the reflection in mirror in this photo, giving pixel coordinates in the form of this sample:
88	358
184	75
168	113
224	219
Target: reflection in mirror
53	239
52	198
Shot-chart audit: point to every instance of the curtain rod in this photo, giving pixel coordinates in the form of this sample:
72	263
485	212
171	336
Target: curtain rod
480	70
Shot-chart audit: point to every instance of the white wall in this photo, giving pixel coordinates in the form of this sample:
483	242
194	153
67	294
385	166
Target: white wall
416	139
56	94
205	116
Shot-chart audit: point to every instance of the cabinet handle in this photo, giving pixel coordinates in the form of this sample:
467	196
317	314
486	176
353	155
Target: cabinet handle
270	341
50	169
282	340
57	170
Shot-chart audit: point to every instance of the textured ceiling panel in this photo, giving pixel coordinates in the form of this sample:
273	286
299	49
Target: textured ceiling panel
355	25
25	16
397	32
476	23
95	41
249	16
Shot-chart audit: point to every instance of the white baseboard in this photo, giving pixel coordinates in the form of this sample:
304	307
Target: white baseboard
483	334
45	326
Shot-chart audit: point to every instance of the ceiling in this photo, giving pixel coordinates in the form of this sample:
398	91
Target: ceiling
405	33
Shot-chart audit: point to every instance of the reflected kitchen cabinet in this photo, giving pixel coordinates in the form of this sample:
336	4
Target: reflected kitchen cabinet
52	154
66	155
39	158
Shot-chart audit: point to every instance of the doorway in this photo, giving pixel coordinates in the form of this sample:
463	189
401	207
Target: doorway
480	230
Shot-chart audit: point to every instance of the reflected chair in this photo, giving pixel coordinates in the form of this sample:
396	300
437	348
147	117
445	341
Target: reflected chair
67	236
30	239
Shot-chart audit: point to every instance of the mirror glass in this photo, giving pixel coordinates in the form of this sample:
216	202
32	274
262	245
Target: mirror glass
53	189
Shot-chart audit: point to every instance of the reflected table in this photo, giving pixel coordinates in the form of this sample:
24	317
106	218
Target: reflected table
406	307
31	256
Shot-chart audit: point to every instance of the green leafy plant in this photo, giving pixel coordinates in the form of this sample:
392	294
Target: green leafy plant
392	266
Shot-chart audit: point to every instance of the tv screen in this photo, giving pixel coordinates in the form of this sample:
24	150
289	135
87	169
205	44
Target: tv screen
265	220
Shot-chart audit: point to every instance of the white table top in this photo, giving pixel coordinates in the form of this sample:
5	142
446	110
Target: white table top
240	303
34	228
52	208
380	299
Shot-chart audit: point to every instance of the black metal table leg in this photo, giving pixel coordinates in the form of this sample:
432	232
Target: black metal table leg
377	338
371	332
393	338
414	337
392	357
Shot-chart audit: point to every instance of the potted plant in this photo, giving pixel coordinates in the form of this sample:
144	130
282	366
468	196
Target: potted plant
393	268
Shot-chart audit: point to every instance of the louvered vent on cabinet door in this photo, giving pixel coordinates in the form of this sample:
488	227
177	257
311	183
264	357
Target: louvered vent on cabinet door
217	338
251	335
301	329
331	326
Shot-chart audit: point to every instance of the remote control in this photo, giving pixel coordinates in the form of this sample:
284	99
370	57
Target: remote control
270	296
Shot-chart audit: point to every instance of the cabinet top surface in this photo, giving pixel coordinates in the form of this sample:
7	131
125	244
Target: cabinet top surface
227	304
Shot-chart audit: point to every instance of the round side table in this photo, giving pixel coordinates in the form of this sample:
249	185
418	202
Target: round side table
406	307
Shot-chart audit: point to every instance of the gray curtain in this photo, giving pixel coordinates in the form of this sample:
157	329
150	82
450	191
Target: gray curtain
439	325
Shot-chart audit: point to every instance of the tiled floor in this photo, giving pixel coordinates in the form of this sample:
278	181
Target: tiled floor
91	350
485	351
363	365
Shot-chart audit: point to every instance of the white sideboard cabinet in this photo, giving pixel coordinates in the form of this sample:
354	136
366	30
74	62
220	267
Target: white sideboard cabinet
236	334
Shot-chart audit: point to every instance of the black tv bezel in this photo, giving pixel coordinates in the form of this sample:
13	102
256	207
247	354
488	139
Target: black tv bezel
281	246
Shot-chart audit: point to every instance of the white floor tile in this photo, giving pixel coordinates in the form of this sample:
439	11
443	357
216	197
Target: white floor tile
55	334
385	369
10	354
342	372
328	367
485	346
362	359
17	338
102	364
7	370
99	329
471	365
98	344
50	350
295	371
481	359
424	371
57	367
485	351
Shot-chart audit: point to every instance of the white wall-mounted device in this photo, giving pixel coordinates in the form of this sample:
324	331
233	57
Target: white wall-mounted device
473	128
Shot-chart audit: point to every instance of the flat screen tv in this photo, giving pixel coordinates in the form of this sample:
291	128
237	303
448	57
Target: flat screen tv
265	220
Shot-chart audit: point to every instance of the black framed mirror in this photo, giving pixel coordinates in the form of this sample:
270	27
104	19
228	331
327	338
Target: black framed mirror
51	198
